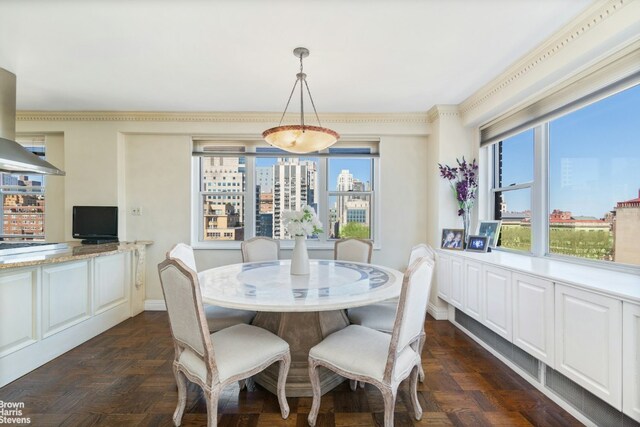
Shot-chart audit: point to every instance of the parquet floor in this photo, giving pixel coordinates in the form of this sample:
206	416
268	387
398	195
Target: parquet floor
123	378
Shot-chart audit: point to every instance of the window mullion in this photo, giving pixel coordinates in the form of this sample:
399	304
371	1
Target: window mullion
540	192
323	197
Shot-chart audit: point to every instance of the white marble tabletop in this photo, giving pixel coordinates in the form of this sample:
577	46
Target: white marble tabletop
269	286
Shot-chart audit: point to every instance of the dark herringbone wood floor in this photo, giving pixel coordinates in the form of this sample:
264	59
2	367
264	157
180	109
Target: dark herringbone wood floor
123	378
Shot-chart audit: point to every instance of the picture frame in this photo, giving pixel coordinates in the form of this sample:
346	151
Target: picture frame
491	229
478	244
452	238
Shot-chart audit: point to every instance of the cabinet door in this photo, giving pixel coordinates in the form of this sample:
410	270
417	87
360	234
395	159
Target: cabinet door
496	306
473	289
533	316
66	296
589	341
456	290
112	281
444	276
18	289
631	360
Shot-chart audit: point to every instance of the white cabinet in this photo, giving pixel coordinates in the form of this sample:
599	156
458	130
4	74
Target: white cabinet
444	276
66	297
496	300
631	360
588	337
18	315
112	281
533	316
472	289
456	282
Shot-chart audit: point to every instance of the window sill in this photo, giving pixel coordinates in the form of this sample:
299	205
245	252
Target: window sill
284	246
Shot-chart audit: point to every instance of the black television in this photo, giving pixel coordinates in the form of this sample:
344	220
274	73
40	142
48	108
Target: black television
95	224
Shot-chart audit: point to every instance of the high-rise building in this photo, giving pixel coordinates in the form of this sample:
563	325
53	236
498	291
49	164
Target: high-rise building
264	178
224	175
292	189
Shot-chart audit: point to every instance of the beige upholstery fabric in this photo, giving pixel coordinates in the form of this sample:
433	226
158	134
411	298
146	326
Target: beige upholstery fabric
362	351
217	317
179	297
378	316
363	354
355	250
220	317
381	316
216	360
260	249
184	253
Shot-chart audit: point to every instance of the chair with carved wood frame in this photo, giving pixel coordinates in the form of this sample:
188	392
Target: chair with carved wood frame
352	249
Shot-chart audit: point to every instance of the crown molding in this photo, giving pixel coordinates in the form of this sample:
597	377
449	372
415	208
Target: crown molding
580	26
213	117
442	111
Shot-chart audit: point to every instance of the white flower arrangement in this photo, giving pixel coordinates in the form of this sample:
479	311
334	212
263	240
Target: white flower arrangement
304	222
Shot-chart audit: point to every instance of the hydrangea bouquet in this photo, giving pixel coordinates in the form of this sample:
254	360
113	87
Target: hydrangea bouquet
304	222
464	183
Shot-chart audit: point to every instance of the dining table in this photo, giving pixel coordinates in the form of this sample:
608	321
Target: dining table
301	309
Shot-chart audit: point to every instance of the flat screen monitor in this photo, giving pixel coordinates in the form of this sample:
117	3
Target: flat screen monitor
95	224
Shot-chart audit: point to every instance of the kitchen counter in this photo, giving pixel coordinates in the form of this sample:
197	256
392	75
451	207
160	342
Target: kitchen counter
75	251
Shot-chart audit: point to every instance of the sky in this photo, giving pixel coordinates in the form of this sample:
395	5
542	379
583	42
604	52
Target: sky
594	158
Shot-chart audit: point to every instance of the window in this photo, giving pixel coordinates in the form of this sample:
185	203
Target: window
587	194
244	195
23	201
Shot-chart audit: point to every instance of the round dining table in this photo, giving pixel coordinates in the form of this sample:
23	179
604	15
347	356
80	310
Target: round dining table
302	310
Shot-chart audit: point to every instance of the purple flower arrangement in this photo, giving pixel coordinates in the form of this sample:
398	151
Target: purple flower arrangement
464	183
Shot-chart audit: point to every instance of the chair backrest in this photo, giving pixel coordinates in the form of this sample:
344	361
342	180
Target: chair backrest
260	249
421	251
412	309
184	253
351	249
189	327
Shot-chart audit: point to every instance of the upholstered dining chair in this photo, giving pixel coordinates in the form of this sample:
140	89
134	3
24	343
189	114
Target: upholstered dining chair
381	316
351	249
218	318
384	360
216	360
260	249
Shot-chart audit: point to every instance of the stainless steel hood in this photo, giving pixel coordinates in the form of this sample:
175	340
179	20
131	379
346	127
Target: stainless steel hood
14	158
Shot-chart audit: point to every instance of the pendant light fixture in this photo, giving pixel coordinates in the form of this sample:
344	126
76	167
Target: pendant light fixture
301	138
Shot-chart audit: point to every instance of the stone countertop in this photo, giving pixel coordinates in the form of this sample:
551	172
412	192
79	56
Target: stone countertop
75	251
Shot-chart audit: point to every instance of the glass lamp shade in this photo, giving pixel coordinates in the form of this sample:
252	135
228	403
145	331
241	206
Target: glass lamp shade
300	139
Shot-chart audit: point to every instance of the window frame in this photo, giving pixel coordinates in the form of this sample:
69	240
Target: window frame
250	147
540	193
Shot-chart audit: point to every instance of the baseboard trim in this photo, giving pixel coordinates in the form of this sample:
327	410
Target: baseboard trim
154	305
438	313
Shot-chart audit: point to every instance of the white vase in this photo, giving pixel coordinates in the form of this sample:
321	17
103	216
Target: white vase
300	257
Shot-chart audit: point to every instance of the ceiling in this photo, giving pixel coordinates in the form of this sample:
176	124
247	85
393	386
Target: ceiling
197	55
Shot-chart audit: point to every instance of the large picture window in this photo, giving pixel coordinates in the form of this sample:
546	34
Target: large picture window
23	201
243	190
588	190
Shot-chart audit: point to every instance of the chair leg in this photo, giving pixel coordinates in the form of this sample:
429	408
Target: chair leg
285	363
181	382
423	337
417	409
389	397
212	407
353	385
317	393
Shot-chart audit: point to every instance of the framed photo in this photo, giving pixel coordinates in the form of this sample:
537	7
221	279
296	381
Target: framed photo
452	238
478	244
491	229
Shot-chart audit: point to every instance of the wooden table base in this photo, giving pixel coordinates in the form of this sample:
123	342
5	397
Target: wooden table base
302	331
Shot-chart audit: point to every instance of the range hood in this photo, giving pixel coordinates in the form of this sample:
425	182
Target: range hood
14	158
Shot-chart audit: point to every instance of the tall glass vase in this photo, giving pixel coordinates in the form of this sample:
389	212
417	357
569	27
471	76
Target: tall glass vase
300	257
466	221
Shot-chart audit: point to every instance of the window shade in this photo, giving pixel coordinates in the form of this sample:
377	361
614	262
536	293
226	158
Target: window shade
614	77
